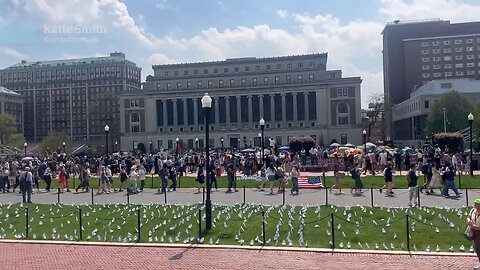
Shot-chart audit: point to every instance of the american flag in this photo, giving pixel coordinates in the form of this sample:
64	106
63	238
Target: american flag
310	182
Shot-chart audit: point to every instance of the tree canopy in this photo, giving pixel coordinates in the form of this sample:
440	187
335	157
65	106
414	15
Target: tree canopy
8	131
457	109
54	142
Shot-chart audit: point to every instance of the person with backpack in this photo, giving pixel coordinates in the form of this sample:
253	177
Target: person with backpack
84	179
26	181
412	186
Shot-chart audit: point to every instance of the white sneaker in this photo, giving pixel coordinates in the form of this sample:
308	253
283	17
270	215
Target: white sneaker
477	267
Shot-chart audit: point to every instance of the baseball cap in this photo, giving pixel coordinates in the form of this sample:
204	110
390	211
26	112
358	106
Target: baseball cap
477	201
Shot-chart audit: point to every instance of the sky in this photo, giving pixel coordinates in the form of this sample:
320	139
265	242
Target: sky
153	32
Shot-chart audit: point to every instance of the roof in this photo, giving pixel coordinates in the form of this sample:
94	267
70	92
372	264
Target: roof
72	62
5	91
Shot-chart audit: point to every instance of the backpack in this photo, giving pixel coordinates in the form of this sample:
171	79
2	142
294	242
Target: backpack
353	172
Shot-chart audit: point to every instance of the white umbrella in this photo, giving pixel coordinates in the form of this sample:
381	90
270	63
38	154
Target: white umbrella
349	145
369	144
334	145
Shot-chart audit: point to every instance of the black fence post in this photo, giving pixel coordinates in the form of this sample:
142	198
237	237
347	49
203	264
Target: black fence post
418	197
73	182
203	199
326	196
199	225
92	194
332	223
466	196
408	233
371	196
179	177
459	179
263	227
26	222
243	195
58	195
283	197
138	223
128	196
80	223
165	195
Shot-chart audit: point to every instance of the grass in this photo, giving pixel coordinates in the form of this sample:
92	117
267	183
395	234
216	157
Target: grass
376	182
355	228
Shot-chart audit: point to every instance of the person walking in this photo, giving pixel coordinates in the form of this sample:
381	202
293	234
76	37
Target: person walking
62	178
123	179
142	175
338	177
388	176
450	182
428	173
271	176
263	178
133	179
84	179
173	177
26	181
412	186
47	178
355	173
200	179
163	178
230	177
473	220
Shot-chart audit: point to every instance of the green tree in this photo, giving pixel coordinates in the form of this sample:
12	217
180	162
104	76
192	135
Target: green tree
54	142
457	109
375	109
476	121
8	127
15	140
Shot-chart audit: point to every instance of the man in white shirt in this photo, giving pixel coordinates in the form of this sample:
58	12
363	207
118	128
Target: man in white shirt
26	179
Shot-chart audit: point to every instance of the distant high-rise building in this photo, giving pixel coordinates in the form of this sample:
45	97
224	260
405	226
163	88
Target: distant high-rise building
417	52
73	96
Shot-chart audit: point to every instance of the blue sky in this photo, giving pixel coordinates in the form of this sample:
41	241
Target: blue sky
167	31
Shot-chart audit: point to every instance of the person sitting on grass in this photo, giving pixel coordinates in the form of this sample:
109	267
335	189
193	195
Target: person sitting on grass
388	175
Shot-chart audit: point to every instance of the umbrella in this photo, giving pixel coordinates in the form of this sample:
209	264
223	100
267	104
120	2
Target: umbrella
248	150
369	144
284	148
334	145
349	145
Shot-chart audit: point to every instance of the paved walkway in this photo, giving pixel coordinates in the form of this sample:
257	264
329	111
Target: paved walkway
307	197
63	256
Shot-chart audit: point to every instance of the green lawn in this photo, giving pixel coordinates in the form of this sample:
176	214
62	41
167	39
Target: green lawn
347	182
355	228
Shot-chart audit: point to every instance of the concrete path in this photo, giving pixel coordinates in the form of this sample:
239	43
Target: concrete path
66	256
306	197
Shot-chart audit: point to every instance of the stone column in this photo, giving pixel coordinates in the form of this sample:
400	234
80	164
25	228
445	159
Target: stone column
295	116
305	95
272	109
227	109
165	118
239	113
284	112
195	114
260	102
217	113
250	112
175	116
185	115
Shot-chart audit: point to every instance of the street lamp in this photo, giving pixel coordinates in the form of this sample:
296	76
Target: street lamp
221	141
151	147
364	132
470	121
176	150
207	105
245	142
116	146
250	143
25	148
196	144
63	144
262	127
107	129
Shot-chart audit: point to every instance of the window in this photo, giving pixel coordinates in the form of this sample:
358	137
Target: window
458	41
447	66
458	57
205	71
426	104
254	81
220	83
425	75
265	80
299	78
470	57
185	72
159	86
311	78
288	79
469	41
215	70
195	72
257	68
342	92
244	82
469	49
436	67
169	86
342	113
225	70
311	64
189	85
437	74
448	50
434	43
300	65
470	65
135	122
199	84
236	69
425	67
425	51
268	67
277	79
470	72
458	49
436	59
425	60
289	65
448	73
279	66
459	73
210	83
447	58
436	51
424	44
179	85
176	73
446	42
247	68
232	82
166	73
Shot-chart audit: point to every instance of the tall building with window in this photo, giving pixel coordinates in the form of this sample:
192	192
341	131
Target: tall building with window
296	95
417	52
73	96
12	103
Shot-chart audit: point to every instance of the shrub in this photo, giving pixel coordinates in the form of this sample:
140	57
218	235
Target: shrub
452	141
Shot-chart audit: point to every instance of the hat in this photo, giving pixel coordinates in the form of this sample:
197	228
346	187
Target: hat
477	201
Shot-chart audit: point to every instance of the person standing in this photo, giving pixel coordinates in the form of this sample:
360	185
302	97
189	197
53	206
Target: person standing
26	181
428	172
355	173
47	177
173	177
200	179
62	178
230	177
142	174
123	179
294	173
388	176
473	220
412	186
271	176
162	174
133	179
338	177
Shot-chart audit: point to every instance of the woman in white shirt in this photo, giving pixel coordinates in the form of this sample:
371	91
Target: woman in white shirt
270	173
294	173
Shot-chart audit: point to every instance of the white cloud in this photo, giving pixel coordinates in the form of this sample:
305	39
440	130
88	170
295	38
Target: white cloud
455	10
222	6
282	13
13	53
159	59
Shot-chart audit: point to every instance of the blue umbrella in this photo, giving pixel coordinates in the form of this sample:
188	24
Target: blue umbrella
284	149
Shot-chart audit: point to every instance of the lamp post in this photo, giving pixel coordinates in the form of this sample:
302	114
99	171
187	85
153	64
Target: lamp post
250	143
207	105
444	121
150	146
176	148
116	146
262	140
63	144
196	144
221	141
107	129
470	121
245	142
25	148
365	141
